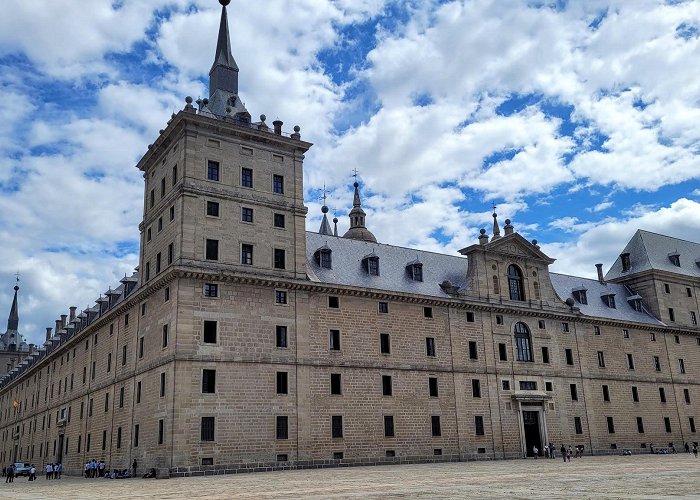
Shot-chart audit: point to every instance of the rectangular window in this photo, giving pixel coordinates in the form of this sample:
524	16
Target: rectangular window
207	431
384	343
93	370
160	224
499	319
662	394
435	425
427	312
212	250
652	337
136	436
282	427
545	354
384	308
657	364
337	426
476	388
574	392
280	297
281	336
635	394
282	383
247	254
211	290
430	346
667	288
277	184
152	198
148	271
677	339
565	327
691	421
681	365
505	384
213	170
640	425
165	336
433	387
388	426
247	177
119	439
387	388
162	385
630	361
278	220
279	258
335	383
601	359
89	410
479	425
166	294
121	397
170	253
470	317
693	318
596	330
542	324
502	352
172	213
667	424
87	443
161	431
569	356
606	393
141	347
671	314
611	425
212	209
138	392
174	176
686	396
473	354
333	302
208	381
528	385
123	355
334	340
106	402
209	336
246	214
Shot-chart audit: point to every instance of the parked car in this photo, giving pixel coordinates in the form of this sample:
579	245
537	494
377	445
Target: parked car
22	468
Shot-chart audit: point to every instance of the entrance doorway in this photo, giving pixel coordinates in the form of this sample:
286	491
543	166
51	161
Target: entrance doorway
59	454
531	424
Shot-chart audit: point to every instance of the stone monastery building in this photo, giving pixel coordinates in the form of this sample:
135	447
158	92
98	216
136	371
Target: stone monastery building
246	342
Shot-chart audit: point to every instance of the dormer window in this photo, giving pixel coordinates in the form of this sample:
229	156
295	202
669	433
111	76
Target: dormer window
371	264
675	259
625	259
322	256
415	270
609	300
580	295
635	301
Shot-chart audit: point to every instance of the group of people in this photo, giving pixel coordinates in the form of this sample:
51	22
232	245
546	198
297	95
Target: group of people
93	468
53	471
550	451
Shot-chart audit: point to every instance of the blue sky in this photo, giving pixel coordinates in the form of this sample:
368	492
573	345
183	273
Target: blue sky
579	120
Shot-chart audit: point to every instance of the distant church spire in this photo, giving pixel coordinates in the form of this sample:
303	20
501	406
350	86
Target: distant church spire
13	319
224	71
325	225
357	230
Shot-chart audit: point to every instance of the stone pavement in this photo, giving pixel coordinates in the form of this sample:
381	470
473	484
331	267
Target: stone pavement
641	476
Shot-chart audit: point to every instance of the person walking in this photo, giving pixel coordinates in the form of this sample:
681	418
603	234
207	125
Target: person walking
49	471
552	451
59	470
695	450
9	474
32	473
133	466
569	453
687	447
563	452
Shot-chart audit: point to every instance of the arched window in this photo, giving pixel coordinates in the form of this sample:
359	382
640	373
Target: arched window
515	283
496	286
523	348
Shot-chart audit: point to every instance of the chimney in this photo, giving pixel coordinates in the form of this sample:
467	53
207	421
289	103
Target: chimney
48	332
72	313
599	267
59	325
63	321
278	126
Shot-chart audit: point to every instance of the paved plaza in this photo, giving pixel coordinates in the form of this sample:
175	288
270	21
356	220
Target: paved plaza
643	476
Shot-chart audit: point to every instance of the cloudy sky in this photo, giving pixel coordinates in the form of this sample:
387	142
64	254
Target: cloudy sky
579	119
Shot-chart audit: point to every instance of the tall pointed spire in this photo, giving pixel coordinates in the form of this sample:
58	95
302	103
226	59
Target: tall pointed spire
496	229
224	72
13	319
357	230
325	225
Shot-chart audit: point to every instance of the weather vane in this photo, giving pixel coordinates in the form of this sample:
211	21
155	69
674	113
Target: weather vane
494	208
324	194
17	276
355	172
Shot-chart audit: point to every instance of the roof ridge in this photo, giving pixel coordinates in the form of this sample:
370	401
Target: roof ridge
667	236
393	246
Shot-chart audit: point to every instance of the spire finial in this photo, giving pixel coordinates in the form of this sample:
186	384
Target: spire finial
496	229
358	230
335	223
13	318
224	72
325	226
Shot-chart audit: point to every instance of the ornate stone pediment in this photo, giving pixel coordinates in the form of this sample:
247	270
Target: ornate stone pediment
517	246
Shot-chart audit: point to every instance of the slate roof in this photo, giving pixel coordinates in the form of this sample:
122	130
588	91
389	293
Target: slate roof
651	251
564	285
347	267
